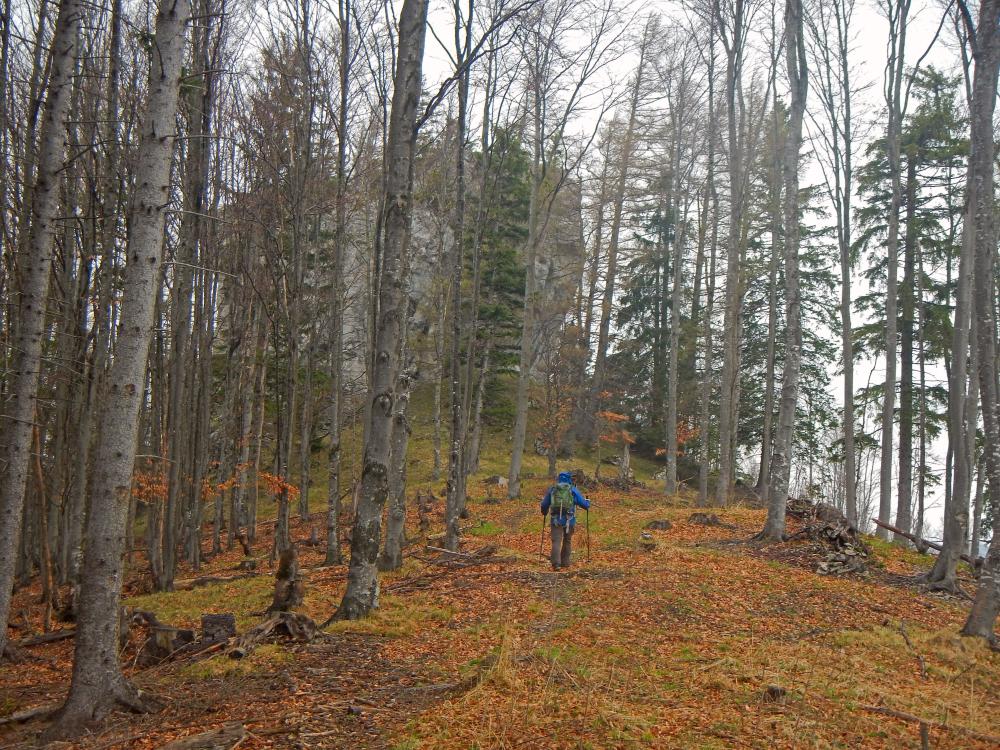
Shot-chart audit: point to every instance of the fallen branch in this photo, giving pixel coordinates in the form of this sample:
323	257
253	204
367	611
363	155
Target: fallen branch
924	543
224	738
57	635
991	738
906	637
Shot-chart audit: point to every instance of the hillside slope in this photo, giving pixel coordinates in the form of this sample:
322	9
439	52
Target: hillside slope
674	647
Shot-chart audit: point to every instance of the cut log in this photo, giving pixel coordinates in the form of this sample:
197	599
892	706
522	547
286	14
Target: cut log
224	738
56	635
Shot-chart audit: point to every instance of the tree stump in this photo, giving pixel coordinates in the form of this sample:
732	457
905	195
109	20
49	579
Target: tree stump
289	589
216	628
298	627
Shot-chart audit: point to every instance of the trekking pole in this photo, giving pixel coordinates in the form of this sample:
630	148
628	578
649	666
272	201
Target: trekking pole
541	542
588	534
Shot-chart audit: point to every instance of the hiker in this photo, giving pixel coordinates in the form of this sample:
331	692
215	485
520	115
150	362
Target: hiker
562	498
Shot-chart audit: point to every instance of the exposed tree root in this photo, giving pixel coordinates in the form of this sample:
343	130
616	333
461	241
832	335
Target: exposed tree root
91	704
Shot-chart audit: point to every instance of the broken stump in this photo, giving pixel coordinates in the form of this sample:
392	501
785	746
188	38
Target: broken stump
216	628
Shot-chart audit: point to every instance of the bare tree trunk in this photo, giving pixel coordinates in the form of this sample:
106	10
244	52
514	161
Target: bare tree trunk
711	203
982	207
305	433
673	397
774	204
98	683
898	11
333	556
527	348
798	81
734	40
904	501
361	595
395	528
844	238
618	205
36	266
977	512
455	499
978	231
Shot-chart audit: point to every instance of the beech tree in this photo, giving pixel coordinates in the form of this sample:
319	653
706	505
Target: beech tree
361	595
798	82
98	683
20	408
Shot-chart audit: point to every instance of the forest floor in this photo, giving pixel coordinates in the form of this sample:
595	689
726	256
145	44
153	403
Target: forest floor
674	648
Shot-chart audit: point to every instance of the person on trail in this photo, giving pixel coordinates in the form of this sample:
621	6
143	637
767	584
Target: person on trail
562	498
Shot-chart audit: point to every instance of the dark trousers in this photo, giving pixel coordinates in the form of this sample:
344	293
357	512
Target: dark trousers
562	543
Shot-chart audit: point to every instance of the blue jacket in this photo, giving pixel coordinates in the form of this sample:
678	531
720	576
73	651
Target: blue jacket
578	499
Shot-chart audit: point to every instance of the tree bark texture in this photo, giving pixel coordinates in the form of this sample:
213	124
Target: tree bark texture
361	595
27	341
98	683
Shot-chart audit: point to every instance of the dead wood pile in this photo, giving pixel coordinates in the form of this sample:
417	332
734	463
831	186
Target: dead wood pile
827	526
292	626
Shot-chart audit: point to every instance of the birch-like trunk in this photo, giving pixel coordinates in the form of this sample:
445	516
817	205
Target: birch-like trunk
98	683
19	409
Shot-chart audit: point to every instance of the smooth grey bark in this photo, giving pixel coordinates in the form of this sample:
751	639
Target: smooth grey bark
395	527
333	556
774	206
981	201
711	199
98	683
733	38
978	229
904	496
897	12
976	534
455	495
361	595
798	82
19	409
